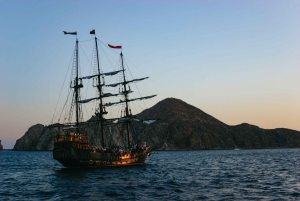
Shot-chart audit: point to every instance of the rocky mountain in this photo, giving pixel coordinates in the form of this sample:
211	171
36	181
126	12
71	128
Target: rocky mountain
38	137
181	127
1	147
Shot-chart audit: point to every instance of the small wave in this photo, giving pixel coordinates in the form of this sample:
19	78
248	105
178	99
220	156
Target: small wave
194	175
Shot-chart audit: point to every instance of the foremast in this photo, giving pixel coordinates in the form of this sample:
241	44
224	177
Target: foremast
77	86
77	90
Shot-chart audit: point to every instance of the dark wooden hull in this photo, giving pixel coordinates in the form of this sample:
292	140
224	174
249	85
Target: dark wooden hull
72	154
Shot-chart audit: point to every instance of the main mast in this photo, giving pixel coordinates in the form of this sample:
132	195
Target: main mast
99	86
126	101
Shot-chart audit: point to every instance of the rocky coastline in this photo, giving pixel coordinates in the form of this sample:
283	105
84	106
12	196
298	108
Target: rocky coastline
181	127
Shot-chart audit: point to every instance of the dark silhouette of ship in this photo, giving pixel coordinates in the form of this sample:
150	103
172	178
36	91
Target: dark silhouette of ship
72	147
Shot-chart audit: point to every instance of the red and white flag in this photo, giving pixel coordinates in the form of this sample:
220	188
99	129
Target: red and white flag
115	47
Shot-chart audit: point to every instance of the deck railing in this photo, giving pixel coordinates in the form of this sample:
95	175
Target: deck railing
71	138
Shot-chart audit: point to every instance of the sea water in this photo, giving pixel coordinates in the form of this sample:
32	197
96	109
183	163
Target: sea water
269	174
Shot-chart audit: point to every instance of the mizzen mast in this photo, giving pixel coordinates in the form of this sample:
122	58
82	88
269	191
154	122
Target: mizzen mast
126	100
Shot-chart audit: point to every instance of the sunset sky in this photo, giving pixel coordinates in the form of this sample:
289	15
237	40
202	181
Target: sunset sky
238	61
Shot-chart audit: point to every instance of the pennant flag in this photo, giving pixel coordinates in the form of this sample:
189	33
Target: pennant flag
116	47
72	33
92	32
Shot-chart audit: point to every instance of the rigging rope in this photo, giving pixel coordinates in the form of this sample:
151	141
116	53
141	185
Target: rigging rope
66	103
136	67
136	85
81	41
91	64
107	57
108	47
86	56
63	85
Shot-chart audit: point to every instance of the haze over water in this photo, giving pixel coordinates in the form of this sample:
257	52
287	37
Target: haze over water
270	174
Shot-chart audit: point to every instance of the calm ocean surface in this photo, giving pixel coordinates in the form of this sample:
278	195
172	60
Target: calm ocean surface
271	174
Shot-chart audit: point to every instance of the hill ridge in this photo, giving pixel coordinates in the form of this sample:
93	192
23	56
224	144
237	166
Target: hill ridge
182	126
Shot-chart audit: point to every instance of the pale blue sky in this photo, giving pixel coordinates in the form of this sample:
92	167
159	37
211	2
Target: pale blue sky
236	60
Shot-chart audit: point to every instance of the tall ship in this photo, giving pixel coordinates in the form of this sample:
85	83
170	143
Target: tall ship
72	146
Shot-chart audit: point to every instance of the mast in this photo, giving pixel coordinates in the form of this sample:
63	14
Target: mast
99	86
76	85
77	90
126	101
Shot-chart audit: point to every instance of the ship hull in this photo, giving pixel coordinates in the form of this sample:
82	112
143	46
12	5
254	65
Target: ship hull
74	155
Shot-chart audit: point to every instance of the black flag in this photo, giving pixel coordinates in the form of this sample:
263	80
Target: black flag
72	33
92	32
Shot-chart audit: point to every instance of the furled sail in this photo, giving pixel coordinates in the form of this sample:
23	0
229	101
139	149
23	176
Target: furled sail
68	128
146	121
149	121
114	121
129	119
123	101
106	74
134	80
108	95
103	96
111	73
87	100
89	77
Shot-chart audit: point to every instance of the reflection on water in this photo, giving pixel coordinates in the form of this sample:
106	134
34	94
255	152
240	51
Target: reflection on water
168	175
